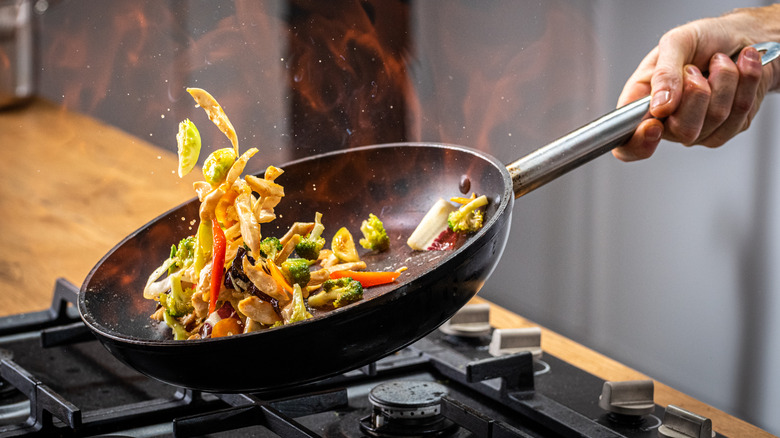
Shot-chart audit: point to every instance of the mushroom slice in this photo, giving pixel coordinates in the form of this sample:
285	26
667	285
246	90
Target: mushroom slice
288	248
258	310
299	228
264	187
238	167
250	229
264	209
319	276
264	282
216	114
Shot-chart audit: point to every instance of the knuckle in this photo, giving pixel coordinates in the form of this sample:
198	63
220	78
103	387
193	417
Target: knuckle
698	88
742	105
718	114
685	134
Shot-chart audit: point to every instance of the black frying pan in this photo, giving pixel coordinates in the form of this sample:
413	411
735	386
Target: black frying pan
398	182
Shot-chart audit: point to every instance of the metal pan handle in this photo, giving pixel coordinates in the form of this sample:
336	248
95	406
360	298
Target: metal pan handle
592	140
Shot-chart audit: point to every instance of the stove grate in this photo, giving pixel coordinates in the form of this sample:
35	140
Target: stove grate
496	397
249	410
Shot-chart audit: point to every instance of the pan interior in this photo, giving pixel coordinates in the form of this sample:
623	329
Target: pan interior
397	182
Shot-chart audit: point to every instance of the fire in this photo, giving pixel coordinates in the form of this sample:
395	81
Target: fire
304	77
501	68
348	74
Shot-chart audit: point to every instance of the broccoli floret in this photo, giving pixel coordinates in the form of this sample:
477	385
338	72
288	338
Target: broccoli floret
183	254
177	305
186	248
177	302
269	247
468	218
310	246
297	271
337	293
374	234
298	310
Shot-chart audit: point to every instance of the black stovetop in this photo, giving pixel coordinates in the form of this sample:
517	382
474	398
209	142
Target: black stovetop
58	381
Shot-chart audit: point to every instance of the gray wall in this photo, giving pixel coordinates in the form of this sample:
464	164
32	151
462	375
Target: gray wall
666	265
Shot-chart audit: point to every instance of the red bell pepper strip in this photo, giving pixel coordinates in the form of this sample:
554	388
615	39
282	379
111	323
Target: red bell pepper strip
218	265
368	278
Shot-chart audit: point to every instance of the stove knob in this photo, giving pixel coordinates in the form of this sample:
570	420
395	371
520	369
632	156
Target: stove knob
472	321
510	341
629	398
679	423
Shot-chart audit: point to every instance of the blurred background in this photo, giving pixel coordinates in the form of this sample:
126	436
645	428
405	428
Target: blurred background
667	265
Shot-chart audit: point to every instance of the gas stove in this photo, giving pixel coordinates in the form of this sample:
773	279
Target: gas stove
464	380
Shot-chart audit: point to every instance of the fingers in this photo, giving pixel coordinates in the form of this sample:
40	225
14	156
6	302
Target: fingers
723	79
643	143
745	101
711	110
674	51
685	124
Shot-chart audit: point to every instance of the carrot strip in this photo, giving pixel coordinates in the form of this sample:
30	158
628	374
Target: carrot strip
277	275
368	278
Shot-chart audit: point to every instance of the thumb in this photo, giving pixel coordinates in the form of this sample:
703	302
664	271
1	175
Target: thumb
674	52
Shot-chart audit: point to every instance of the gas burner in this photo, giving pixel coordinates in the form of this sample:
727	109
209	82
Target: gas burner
442	386
407	408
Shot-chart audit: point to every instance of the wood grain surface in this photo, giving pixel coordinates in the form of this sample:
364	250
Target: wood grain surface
73	187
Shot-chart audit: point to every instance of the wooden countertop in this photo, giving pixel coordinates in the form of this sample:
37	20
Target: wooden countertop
73	187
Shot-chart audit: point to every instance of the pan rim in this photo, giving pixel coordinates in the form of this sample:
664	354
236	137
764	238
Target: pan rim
506	199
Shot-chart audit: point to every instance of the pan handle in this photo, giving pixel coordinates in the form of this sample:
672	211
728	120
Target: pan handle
592	140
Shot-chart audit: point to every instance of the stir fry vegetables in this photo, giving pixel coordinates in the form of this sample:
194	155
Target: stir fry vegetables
218	265
448	222
188	142
366	278
228	278
469	217
337	292
374	235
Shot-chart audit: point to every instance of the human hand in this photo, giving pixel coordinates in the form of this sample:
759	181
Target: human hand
688	107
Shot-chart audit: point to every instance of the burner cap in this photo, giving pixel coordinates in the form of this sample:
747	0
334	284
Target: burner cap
407	408
408	399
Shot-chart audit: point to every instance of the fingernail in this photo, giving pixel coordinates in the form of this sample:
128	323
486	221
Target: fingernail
660	98
722	57
691	70
653	134
752	55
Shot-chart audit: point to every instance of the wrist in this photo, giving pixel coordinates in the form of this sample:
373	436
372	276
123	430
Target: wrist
756	25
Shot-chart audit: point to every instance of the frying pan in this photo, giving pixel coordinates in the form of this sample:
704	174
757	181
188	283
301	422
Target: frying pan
399	182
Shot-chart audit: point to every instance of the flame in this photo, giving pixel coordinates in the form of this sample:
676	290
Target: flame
348	73
304	77
498	67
